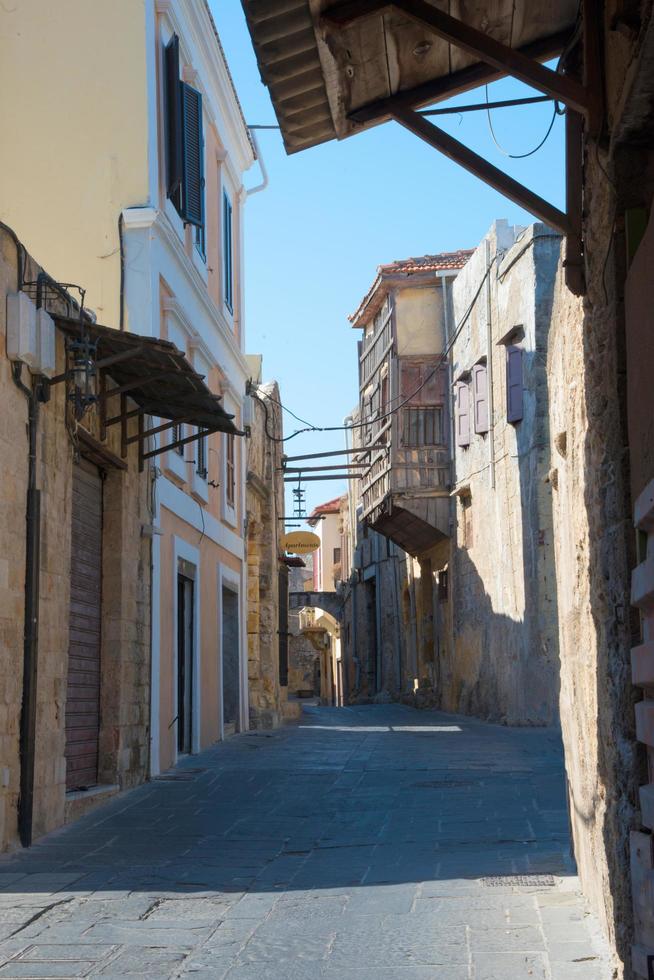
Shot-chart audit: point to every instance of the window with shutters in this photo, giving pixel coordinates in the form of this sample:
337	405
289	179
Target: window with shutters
184	143
201	459
422	426
230	470
514	384
177	433
480	397
228	265
462	413
173	114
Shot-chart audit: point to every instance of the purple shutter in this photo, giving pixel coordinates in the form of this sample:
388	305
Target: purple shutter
514	385
462	414
480	396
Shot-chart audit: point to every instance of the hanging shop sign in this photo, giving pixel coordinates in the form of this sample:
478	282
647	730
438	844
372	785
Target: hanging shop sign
301	542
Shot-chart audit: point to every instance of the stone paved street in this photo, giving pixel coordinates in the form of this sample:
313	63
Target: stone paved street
372	843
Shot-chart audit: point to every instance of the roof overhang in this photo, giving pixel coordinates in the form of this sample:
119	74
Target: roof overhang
334	69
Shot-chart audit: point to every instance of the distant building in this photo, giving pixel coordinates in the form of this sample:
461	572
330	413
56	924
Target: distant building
399	508
320	607
267	595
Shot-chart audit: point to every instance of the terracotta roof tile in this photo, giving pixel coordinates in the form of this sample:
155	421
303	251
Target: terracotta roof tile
440	262
330	507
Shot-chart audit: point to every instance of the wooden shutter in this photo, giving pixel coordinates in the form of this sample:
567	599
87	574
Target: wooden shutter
410	378
227	252
480	397
173	109
193	182
462	414
514	385
85	616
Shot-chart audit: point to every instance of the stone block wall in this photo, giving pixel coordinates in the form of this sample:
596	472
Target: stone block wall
125	637
265	505
502	663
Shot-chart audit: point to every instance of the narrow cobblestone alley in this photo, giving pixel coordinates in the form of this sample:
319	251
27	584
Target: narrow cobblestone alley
370	843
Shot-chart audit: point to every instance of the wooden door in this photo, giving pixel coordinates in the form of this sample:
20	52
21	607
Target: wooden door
184	664
83	693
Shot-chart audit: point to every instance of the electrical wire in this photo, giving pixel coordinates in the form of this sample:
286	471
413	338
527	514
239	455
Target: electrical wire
529	153
261	395
378	418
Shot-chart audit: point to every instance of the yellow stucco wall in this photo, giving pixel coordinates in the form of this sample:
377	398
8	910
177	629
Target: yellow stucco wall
93	121
419	317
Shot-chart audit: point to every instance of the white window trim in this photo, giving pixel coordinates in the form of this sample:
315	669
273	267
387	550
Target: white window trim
229	513
226	189
182	549
178	332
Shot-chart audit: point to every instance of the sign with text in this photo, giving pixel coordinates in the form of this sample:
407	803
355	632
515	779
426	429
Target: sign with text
301	542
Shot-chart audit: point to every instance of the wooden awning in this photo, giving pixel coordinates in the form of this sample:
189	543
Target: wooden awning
151	374
336	67
154	374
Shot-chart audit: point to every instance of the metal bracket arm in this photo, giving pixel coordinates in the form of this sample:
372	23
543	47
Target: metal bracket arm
481	168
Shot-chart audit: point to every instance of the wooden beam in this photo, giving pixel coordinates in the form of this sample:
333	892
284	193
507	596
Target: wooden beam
97	450
309	479
336	452
320	469
159	428
457	83
123	426
137	382
573	262
125	355
481	45
343	14
183	442
593	16
481	168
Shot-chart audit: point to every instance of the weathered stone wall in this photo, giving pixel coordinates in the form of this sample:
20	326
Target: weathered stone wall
265	504
503	661
125	661
592	506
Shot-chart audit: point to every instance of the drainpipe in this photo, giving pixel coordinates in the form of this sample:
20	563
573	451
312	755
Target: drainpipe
489	370
264	173
31	622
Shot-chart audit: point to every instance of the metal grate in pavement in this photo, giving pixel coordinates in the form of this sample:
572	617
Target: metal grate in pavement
533	881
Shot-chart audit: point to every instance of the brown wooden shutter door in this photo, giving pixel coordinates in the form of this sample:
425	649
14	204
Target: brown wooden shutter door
83	694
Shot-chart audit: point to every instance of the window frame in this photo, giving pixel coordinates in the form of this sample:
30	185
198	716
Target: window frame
230	470
480	370
183	120
228	250
413	434
515	413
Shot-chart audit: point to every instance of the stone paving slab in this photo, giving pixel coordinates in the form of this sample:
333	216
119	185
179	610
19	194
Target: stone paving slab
373	843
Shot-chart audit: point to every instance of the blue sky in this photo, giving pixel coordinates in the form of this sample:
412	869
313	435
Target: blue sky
332	214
